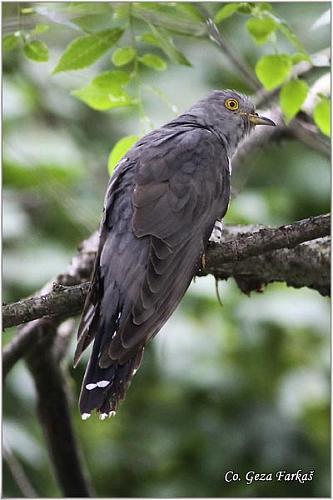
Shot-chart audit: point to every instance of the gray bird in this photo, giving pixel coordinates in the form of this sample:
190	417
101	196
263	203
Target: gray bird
160	209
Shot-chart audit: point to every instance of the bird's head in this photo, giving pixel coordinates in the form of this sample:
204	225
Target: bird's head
231	114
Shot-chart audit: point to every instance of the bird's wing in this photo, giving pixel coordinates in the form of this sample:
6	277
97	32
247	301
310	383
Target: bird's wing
160	208
120	258
177	198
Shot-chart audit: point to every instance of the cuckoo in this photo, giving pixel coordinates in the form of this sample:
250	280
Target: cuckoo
160	209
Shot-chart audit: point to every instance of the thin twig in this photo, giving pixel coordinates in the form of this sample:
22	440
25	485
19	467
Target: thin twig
18	473
236	60
308	134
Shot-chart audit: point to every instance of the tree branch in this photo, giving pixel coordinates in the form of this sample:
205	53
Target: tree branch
79	271
235	59
258	239
54	414
305	265
43	345
239	245
53	303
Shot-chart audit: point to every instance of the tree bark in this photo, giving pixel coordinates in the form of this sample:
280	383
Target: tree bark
246	251
54	414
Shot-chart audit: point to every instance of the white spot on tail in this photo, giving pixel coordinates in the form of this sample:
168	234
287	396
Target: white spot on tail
85	416
89	387
102	383
103	416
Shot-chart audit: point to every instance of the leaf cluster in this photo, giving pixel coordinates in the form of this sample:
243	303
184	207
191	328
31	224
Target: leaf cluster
141	35
278	70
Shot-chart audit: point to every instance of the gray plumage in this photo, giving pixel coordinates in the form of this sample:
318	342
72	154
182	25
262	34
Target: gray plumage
160	208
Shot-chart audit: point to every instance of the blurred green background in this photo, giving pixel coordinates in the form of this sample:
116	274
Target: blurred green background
243	387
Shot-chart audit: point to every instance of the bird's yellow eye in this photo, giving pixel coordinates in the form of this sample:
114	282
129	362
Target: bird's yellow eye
231	104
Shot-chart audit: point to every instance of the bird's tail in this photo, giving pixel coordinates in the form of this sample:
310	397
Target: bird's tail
103	388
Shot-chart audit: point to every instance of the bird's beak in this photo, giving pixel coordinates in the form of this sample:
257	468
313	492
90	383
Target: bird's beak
260	120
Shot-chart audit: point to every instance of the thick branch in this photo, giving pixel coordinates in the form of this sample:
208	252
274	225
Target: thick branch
263	239
54	303
244	243
307	264
54	414
79	271
39	342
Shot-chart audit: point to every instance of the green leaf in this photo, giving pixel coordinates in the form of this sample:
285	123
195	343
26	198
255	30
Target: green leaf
11	41
261	28
40	28
106	91
154	62
322	116
112	78
167	16
161	38
262	6
121	11
85	50
149	38
88	8
299	57
119	150
37	51
92	23
123	55
273	70
27	10
230	9
292	97
189	9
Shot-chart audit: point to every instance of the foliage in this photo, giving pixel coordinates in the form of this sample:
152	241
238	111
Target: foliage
292	97
106	91
273	70
36	51
119	150
85	50
263	24
243	387
322	116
